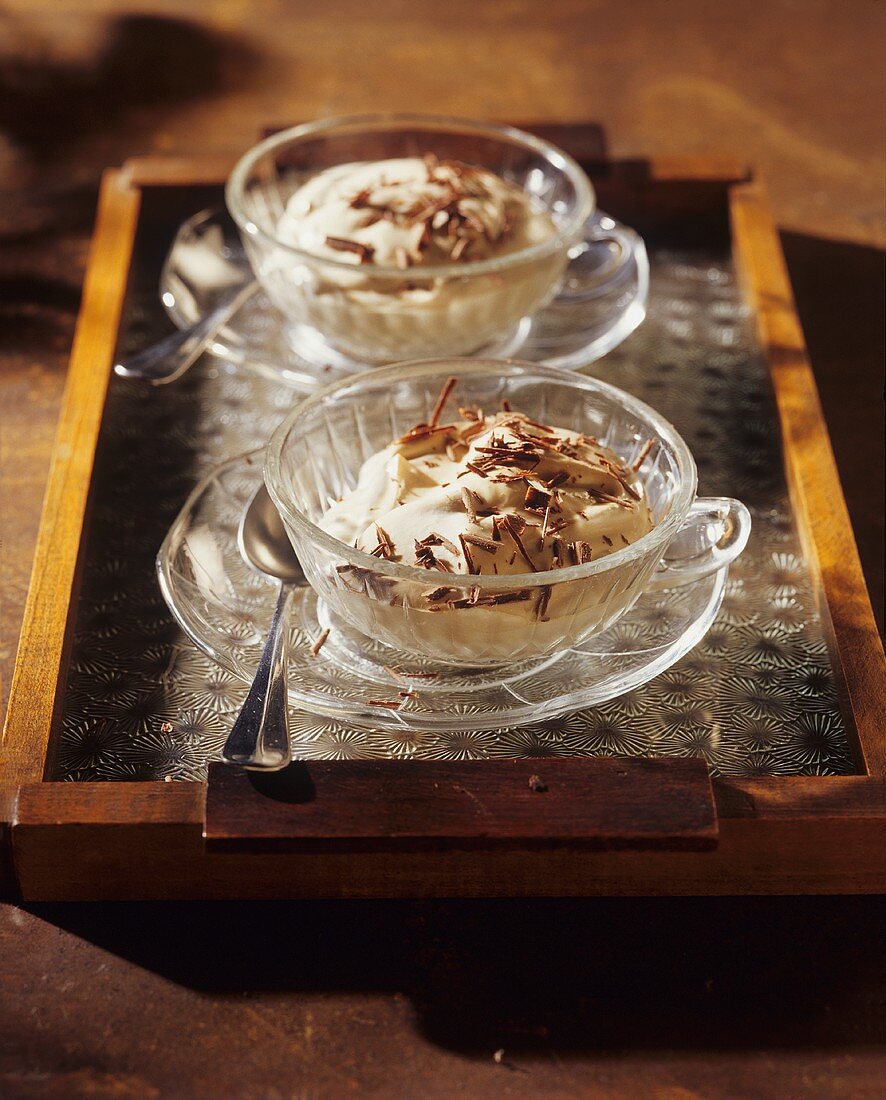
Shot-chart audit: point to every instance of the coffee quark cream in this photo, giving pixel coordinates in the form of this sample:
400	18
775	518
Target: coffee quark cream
379	218
487	494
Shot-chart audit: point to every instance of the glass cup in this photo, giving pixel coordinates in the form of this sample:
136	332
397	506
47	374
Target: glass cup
371	313
315	456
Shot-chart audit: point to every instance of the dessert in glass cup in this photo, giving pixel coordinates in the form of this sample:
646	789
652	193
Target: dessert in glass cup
480	513
394	236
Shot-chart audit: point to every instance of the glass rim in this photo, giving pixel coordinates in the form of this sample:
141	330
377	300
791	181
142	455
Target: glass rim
235	188
656	539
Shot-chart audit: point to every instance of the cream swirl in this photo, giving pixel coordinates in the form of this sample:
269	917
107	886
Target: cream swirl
411	212
490	494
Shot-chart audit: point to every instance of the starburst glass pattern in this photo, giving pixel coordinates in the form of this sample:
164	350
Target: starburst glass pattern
756	695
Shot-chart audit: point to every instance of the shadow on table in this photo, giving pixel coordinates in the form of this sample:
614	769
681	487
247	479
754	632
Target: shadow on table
602	974
142	62
839	288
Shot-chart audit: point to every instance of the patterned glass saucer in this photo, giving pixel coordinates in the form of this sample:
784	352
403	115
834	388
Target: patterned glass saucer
225	608
601	302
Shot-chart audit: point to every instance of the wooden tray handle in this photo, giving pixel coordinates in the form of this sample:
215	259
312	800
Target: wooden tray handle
416	804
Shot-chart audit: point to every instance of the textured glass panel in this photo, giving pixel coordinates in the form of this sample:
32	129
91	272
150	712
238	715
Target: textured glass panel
756	696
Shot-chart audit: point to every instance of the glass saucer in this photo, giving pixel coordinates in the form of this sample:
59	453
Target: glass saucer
601	302
225	608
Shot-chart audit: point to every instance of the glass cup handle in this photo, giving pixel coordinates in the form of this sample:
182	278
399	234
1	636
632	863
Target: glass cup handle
713	535
607	253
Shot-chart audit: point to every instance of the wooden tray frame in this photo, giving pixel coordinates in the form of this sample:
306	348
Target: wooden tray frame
70	841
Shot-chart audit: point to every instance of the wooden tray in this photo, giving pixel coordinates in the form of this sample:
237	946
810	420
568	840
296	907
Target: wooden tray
395	828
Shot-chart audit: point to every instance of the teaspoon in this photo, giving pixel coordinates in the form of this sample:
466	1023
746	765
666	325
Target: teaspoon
260	735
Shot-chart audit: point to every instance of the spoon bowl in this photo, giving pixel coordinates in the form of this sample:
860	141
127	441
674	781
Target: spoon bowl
263	542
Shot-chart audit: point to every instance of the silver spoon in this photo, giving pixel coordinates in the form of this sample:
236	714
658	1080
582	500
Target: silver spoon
260	736
170	357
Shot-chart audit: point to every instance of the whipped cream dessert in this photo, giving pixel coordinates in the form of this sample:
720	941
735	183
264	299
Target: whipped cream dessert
410	212
487	494
405	215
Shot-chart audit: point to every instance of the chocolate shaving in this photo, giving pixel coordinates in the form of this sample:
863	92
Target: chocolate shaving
544	526
484	544
475	469
476	428
541	606
393	704
320	642
422	431
425	557
469	560
536	500
539	486
583	551
511	528
364	251
628	488
435	539
440	593
507	597
642	456
448	386
459	248
607	540
385	545
599	497
471	501
567	553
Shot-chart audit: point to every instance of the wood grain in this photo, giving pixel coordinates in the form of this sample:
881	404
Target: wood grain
78	841
410	804
820	507
40	664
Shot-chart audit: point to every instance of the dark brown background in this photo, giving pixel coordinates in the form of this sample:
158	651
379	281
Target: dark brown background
670	999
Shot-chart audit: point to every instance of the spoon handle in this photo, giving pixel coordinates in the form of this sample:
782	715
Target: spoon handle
260	736
170	357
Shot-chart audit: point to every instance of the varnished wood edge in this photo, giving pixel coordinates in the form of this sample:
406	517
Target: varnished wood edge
637	802
819	504
144	840
44	635
183	803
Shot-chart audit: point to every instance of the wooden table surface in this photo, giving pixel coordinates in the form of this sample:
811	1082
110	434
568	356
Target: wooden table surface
713	998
